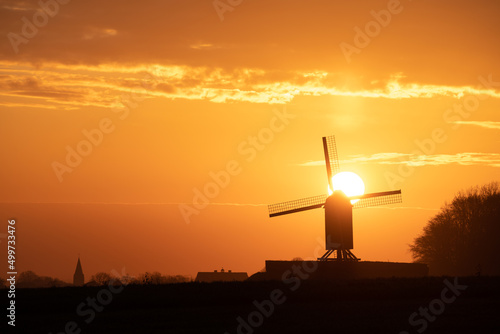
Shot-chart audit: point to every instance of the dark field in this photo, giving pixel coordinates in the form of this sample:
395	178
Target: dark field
342	306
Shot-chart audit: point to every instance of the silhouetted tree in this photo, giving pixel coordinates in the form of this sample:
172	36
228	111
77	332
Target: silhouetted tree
462	239
177	279
157	278
101	278
152	278
127	279
145	278
28	279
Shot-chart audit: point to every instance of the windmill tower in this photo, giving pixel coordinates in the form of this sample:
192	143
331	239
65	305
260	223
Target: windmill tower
338	208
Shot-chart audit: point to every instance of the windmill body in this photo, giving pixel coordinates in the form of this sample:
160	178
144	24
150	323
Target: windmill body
338	208
338	222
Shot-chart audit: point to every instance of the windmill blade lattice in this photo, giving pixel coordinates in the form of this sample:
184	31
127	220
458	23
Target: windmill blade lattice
388	197
331	158
297	205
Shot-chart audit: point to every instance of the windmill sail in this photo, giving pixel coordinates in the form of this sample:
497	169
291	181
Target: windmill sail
375	199
297	205
331	158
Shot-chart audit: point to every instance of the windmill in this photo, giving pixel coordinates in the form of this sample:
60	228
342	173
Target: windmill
338	208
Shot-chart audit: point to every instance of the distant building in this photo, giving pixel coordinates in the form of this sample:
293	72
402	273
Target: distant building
221	276
78	277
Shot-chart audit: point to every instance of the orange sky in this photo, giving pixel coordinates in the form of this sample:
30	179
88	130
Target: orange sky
178	94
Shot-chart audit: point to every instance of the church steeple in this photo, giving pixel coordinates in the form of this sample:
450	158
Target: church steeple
78	277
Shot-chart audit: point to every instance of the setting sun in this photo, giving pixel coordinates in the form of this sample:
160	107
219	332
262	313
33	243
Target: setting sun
350	183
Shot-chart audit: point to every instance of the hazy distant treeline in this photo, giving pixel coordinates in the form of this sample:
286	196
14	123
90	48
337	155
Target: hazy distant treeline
29	279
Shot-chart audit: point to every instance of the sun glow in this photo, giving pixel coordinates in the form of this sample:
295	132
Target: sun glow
350	183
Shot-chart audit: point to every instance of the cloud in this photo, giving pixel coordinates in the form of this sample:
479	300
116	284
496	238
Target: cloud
391	158
101	86
483	124
204	46
17	5
283	35
94	32
27	105
376	158
140	204
401	208
467	159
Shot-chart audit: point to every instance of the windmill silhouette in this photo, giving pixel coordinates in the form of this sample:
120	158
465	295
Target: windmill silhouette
338	208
